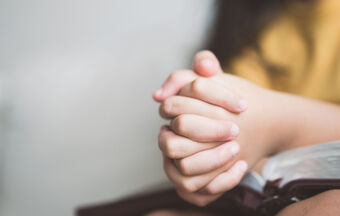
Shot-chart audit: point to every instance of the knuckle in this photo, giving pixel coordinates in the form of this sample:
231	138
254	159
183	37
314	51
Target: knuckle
171	148
166	106
184	167
200	201
179	124
211	189
188	185
197	86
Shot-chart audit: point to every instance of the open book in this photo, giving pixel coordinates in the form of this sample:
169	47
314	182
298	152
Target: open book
292	176
288	177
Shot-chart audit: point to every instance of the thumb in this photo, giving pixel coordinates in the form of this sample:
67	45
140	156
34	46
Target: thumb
206	64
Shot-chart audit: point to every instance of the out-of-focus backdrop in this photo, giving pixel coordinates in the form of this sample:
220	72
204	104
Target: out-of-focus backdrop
77	122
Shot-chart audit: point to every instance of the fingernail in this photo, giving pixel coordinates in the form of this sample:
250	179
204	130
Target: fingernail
158	92
234	149
243	166
206	62
234	130
243	105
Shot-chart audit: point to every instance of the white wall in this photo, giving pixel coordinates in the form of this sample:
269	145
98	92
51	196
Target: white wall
78	125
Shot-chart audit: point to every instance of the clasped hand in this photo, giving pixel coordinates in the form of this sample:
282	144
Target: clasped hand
213	137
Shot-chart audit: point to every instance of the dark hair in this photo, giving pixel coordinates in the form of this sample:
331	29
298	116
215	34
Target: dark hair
239	23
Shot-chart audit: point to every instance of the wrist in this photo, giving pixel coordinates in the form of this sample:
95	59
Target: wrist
297	121
282	124
266	132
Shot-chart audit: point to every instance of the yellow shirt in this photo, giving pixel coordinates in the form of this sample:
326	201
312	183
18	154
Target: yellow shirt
298	53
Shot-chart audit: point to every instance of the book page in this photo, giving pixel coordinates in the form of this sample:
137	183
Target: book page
315	161
253	180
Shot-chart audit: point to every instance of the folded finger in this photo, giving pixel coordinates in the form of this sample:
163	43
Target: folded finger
176	147
206	64
227	180
203	129
197	198
173	84
212	92
190	184
208	160
177	105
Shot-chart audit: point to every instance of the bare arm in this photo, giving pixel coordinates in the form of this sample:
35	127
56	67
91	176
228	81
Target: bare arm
198	138
326	203
304	122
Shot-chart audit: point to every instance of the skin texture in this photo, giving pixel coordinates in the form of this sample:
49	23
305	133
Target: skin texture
198	145
326	204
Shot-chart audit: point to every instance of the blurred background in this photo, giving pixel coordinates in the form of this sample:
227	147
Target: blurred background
77	122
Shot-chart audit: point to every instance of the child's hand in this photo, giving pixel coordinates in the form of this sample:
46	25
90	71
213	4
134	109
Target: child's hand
200	171
205	64
195	158
204	168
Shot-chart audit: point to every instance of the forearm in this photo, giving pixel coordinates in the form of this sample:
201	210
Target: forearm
326	203
304	122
